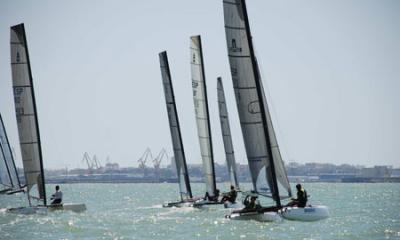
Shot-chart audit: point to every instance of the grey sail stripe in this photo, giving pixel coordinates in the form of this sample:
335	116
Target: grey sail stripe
25	143
231	3
235	28
244	88
239	56
18	63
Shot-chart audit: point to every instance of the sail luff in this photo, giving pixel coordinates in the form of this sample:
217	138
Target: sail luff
226	134
202	113
26	112
179	152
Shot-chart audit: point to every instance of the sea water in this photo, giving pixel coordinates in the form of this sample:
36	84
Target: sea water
134	211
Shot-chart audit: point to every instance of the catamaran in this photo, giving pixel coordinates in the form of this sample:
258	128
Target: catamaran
228	145
265	162
28	128
177	143
8	171
203	121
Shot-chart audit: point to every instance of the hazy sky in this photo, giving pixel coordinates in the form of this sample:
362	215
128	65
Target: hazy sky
331	71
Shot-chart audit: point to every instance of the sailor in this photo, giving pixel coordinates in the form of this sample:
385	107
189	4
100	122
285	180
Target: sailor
252	204
231	197
301	200
57	196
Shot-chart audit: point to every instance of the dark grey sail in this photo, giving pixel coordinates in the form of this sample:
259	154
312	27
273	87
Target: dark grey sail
202	113
179	153
266	165
226	134
8	159
26	113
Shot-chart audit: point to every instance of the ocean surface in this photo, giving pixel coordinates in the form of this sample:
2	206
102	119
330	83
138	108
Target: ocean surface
134	211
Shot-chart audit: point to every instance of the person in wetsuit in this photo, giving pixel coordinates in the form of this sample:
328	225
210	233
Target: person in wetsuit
57	196
252	204
301	200
231	197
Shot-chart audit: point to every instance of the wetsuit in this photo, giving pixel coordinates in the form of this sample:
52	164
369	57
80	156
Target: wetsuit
57	198
301	198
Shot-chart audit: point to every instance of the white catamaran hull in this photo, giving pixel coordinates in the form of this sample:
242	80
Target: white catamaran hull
310	213
74	207
260	217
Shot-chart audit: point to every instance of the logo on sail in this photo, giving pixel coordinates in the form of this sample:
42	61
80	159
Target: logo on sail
253	107
233	47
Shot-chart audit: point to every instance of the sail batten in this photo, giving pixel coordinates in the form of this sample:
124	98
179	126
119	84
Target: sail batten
202	113
257	130
179	153
226	134
26	113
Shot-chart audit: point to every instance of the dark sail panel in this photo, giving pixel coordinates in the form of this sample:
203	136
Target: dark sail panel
179	154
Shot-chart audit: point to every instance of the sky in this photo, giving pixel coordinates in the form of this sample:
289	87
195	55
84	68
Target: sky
330	70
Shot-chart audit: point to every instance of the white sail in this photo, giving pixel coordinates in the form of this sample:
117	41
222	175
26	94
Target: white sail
8	158
26	113
256	126
226	134
179	153
202	113
280	171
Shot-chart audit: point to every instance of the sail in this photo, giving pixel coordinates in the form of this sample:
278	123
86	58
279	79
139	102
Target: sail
202	113
5	179
25	109
226	134
280	171
8	157
179	153
251	102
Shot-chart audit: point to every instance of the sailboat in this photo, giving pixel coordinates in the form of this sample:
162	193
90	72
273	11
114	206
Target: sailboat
267	169
203	121
28	128
227	139
8	171
179	152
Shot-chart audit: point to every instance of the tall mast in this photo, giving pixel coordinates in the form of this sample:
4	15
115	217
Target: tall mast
202	101
275	192
20	85
178	145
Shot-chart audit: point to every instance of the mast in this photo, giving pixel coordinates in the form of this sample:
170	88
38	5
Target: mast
275	191
226	134
202	113
26	111
179	152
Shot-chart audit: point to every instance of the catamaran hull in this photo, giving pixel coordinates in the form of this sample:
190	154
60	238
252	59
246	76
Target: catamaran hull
74	207
256	216
308	214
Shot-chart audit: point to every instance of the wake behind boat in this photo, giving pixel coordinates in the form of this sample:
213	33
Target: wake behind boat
28	127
